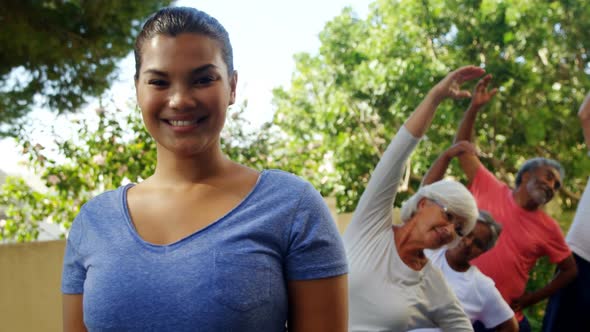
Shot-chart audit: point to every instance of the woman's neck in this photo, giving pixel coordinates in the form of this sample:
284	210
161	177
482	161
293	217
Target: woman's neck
456	264
186	170
409	250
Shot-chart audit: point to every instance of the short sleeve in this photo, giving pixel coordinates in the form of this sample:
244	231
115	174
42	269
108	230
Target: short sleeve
315	247
74	272
485	186
495	310
555	246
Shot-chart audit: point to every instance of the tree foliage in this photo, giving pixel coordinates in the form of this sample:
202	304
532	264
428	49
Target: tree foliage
103	154
56	54
333	123
347	102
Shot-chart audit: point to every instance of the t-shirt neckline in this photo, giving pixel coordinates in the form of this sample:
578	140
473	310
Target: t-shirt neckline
137	237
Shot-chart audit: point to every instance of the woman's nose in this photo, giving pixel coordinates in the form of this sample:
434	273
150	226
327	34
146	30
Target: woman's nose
450	231
181	99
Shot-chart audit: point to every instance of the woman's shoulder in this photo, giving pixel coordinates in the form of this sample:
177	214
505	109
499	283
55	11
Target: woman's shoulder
108	200
279	180
483	281
434	280
280	186
277	175
98	211
484	284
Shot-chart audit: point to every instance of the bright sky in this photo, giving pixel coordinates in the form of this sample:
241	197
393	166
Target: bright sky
265	34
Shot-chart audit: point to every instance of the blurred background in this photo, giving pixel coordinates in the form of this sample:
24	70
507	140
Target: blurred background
323	87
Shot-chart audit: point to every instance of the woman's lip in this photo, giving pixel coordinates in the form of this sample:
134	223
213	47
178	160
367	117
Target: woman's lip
182	123
185	127
184	116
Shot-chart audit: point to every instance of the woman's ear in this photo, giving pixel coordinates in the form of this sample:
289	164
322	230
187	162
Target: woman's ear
233	83
421	203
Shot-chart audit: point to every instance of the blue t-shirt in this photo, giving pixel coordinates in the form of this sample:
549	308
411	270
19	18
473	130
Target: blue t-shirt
230	276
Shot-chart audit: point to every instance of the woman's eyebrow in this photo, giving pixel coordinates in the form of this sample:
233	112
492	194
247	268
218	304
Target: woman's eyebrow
195	71
202	69
154	72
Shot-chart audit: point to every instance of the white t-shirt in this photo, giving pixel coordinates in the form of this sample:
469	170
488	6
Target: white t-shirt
384	293
579	233
476	292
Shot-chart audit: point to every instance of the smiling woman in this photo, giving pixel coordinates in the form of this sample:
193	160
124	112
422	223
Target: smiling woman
183	91
204	243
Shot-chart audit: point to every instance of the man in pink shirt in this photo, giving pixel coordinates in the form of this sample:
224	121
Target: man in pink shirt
529	233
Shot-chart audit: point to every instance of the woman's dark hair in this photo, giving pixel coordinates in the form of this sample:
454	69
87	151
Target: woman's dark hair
173	21
495	228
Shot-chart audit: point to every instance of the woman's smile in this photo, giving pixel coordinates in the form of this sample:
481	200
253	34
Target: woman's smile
185	124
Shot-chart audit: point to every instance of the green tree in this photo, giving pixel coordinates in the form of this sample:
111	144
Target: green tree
56	54
347	102
102	154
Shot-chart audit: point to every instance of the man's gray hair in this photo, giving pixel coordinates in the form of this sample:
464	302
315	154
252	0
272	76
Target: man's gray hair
451	194
533	164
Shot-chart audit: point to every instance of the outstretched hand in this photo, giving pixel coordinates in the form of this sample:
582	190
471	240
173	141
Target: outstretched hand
481	94
459	148
450	86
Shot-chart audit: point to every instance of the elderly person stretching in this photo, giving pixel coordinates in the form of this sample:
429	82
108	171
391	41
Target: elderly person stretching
529	232
392	285
477	293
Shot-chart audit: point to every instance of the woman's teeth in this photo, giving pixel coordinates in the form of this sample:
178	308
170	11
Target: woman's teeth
182	123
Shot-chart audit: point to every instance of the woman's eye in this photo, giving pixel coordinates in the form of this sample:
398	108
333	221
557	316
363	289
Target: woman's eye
450	217
204	80
459	231
157	82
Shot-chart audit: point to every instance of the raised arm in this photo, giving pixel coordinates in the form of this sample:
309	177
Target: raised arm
373	212
481	96
584	115
448	87
440	165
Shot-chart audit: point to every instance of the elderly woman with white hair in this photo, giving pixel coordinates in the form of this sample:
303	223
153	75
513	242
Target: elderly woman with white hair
477	293
392	285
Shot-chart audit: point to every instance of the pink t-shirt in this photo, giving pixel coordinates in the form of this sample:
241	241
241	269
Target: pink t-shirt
526	237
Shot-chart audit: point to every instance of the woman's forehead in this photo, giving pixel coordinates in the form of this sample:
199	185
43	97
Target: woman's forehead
188	49
481	231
